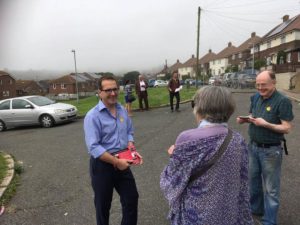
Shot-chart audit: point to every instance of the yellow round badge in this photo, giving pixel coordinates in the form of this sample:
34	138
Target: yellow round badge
268	108
121	119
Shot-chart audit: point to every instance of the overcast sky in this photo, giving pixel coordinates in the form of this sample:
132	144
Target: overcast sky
125	35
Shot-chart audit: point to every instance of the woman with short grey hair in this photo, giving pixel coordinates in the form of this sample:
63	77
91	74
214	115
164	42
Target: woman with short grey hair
206	180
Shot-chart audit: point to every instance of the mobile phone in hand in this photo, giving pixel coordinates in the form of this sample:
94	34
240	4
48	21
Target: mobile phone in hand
244	117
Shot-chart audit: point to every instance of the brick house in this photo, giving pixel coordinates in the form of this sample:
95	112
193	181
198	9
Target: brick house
204	62
7	86
219	63
242	57
188	68
28	87
87	85
280	48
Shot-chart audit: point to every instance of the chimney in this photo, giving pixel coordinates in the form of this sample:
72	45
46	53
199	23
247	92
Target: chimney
229	44
177	60
209	51
285	18
193	56
253	34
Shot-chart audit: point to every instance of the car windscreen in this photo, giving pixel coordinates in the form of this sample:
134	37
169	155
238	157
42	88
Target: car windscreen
40	101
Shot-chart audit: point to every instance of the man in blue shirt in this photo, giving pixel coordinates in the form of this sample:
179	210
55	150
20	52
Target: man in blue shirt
108	129
270	118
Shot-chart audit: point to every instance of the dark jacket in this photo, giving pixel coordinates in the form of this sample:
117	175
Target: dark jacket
173	84
138	87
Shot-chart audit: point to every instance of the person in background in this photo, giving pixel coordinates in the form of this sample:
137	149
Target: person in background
270	117
220	195
172	86
141	90
108	130
128	93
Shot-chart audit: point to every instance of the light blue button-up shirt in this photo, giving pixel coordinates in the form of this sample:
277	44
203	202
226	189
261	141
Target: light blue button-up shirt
104	132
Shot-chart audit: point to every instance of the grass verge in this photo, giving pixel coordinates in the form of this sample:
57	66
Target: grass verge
3	167
12	187
156	97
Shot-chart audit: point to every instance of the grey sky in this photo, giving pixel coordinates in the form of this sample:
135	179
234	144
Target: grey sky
125	35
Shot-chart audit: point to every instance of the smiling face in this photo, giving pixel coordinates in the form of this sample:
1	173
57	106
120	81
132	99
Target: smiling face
109	92
265	85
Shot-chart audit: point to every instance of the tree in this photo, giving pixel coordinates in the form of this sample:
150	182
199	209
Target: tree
232	68
281	57
131	76
259	63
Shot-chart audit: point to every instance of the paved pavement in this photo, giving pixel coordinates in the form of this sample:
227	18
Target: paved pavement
55	187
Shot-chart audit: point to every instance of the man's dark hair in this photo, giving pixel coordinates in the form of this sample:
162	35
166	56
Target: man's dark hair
106	77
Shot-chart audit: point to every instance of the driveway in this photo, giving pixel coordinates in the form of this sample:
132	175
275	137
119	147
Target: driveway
55	186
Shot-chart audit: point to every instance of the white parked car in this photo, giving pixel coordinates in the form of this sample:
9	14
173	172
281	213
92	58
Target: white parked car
31	110
160	83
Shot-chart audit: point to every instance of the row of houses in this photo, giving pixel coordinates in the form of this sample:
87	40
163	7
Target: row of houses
277	50
65	86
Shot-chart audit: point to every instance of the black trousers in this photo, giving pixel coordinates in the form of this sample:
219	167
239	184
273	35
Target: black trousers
177	96
104	179
143	96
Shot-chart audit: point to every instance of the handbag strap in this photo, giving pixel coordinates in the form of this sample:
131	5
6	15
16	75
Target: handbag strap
213	160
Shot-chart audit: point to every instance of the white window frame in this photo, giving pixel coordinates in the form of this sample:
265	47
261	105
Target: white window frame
63	86
233	57
299	56
240	55
54	86
269	44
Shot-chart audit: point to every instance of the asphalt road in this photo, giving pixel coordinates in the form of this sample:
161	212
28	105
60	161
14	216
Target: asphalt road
55	186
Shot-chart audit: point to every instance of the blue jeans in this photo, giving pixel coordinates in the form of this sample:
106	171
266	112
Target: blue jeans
264	175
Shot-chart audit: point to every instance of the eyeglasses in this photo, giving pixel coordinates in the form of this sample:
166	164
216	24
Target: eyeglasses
261	85
109	91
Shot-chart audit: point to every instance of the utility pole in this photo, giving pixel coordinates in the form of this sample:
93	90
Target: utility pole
197	57
74	52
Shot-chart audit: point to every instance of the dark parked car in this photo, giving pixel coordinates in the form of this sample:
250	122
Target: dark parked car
250	80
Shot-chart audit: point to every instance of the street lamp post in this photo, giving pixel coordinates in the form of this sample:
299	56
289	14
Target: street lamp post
253	60
74	52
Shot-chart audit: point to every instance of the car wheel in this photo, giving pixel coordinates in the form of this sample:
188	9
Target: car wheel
2	126
47	121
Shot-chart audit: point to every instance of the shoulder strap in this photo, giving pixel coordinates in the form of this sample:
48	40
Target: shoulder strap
213	160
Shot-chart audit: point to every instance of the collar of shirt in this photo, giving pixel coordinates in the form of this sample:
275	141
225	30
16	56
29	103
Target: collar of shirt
205	123
101	106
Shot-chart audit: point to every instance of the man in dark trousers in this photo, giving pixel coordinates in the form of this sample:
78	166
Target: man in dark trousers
172	86
270	118
141	90
108	129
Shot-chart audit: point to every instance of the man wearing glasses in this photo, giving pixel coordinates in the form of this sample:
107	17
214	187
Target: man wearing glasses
108	129
270	118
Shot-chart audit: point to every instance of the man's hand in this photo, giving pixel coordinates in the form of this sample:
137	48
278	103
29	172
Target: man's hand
122	164
260	122
140	161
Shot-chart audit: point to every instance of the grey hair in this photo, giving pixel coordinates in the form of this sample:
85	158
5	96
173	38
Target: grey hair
214	104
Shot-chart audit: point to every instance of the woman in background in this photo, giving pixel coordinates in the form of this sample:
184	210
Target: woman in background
128	93
220	195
